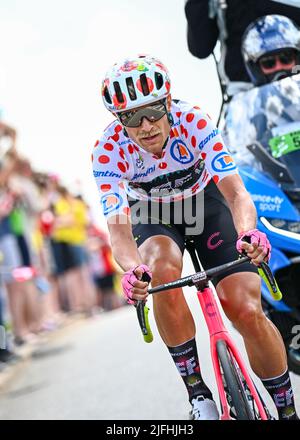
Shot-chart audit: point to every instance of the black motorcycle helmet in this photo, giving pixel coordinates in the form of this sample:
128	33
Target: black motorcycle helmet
269	35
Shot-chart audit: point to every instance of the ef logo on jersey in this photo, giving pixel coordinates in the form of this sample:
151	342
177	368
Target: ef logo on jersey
111	202
223	162
181	153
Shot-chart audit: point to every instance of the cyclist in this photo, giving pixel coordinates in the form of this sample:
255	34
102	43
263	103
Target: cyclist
167	151
271	49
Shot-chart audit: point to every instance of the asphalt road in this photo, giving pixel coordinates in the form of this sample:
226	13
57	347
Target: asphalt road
103	370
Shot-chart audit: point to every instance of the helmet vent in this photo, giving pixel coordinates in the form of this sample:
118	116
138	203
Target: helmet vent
118	91
107	95
144	84
159	80
131	89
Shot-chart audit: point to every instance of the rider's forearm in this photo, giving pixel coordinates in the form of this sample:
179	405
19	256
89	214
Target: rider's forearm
243	212
124	247
240	203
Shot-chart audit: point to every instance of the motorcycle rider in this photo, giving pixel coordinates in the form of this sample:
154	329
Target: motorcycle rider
271	49
271	52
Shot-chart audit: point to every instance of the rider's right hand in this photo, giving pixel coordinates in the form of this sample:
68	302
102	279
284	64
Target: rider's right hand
134	288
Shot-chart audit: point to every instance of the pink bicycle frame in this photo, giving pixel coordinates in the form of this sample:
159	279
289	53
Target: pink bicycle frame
217	331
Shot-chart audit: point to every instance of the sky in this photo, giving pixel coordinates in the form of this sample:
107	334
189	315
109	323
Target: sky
54	55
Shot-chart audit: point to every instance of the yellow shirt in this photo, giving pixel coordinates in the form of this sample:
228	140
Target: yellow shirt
76	232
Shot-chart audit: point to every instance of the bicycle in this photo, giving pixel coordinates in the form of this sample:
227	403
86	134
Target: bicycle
239	397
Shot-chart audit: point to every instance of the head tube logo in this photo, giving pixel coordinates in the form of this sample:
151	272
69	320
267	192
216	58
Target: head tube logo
181	153
111	202
223	162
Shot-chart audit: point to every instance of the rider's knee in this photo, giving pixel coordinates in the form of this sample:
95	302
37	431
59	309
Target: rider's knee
165	271
249	317
161	254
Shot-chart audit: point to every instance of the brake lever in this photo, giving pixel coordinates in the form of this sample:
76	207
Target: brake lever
142	314
266	274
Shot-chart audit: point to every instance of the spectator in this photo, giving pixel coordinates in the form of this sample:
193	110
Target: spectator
34	210
19	209
7	356
50	310
210	21
11	252
68	240
103	269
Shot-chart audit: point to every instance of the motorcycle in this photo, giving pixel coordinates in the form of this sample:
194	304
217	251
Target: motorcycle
261	127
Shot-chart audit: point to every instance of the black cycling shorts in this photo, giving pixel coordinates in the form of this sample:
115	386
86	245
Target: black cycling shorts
105	283
65	256
215	244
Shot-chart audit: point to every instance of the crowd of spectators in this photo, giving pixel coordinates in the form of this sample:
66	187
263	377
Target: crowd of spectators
54	262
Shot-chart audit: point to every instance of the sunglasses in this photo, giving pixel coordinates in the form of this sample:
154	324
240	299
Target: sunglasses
285	58
134	118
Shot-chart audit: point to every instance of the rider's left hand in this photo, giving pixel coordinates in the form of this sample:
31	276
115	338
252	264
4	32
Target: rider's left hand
256	246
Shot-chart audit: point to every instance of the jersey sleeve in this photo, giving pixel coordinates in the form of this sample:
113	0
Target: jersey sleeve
110	173
202	31
205	137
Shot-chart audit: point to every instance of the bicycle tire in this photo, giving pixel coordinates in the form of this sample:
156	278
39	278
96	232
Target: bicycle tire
235	387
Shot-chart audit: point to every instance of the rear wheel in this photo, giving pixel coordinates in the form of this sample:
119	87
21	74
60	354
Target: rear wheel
237	393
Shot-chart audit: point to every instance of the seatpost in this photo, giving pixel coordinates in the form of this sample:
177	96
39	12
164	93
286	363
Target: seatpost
190	246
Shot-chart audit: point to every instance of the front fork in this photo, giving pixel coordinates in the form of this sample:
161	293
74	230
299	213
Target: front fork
218	331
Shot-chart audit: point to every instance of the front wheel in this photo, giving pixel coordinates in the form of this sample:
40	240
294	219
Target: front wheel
235	390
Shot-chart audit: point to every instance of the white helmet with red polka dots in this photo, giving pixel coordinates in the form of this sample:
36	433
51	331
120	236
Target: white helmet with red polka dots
135	82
